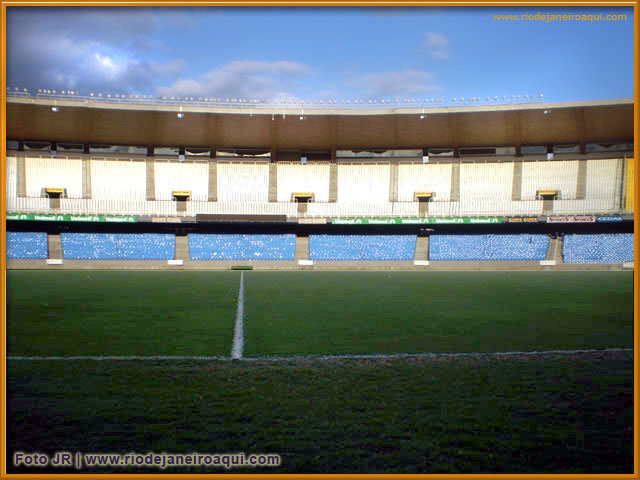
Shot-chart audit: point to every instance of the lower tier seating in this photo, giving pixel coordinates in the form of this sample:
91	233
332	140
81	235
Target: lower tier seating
118	246
241	247
598	248
27	245
488	247
362	247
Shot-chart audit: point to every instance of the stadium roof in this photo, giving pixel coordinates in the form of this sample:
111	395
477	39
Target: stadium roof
87	121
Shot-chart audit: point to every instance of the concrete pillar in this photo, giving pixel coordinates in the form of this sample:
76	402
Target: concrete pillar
423	209
273	182
182	248
516	185
55	246
393	181
581	181
455	182
302	248
151	179
422	249
22	175
213	180
86	177
333	182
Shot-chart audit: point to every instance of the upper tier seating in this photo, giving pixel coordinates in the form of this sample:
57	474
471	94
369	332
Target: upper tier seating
490	180
29	245
312	177
559	175
53	172
488	247
243	182
598	248
118	246
12	182
118	180
362	247
602	178
363	183
241	247
435	178
172	176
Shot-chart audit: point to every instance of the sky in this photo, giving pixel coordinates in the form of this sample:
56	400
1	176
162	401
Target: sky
322	53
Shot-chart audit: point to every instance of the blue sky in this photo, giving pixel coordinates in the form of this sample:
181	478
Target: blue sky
321	53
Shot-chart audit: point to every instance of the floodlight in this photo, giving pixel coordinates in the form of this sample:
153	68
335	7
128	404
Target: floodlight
39	90
180	115
54	109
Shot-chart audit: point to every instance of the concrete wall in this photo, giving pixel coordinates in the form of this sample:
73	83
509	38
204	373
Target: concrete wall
293	265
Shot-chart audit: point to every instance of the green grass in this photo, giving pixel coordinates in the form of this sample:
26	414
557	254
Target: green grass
558	414
318	313
120	313
501	415
315	313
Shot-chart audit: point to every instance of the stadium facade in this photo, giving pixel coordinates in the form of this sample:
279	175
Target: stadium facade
121	183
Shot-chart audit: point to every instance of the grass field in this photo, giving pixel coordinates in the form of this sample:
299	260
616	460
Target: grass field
560	413
316	313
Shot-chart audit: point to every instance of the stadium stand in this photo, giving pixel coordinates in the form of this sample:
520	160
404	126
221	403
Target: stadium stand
43	172
485	181
435	178
243	182
601	179
113	180
241	247
362	247
554	174
303	178
118	246
242	208
598	248
12	182
192	177
27	245
488	247
363	183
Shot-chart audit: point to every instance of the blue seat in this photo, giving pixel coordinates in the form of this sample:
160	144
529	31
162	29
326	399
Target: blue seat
362	247
118	246
488	247
27	245
598	248
241	246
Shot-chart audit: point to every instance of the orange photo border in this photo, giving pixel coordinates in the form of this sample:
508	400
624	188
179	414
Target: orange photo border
327	3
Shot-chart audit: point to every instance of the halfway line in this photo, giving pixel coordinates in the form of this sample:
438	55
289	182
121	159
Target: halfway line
238	335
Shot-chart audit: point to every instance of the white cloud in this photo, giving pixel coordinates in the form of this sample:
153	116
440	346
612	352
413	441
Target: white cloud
89	50
408	82
243	79
437	45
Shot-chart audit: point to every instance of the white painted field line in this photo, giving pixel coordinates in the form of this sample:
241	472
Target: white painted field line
330	357
238	334
436	355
